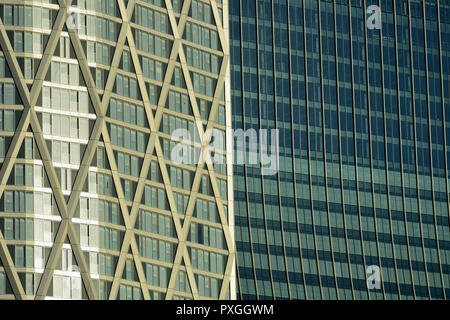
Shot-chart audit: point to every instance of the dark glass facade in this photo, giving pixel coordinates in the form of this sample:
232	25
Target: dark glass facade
364	129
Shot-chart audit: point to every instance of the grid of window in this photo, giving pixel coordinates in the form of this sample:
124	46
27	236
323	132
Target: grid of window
363	129
106	103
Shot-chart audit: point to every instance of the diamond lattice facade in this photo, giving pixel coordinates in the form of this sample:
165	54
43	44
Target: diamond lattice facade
92	205
362	104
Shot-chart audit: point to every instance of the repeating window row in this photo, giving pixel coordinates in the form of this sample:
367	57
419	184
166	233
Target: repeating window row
4	284
152	44
18	201
182	282
181	202
101	183
65	100
179	102
17	228
128	112
153	69
207	210
101	210
27	16
7	118
104	6
24	175
206	187
98	27
89	236
156	249
155	197
28	42
8	94
202	11
65	126
127	87
156	275
171	123
208	287
129	293
188	154
152	19
180	178
109	238
4	68
127	138
65	152
202	60
128	164
99	52
201	35
64	73
207	261
155	223
204	84
208	236
106	264
67	287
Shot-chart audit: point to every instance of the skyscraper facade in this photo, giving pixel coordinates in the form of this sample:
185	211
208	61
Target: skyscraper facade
92	203
359	91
